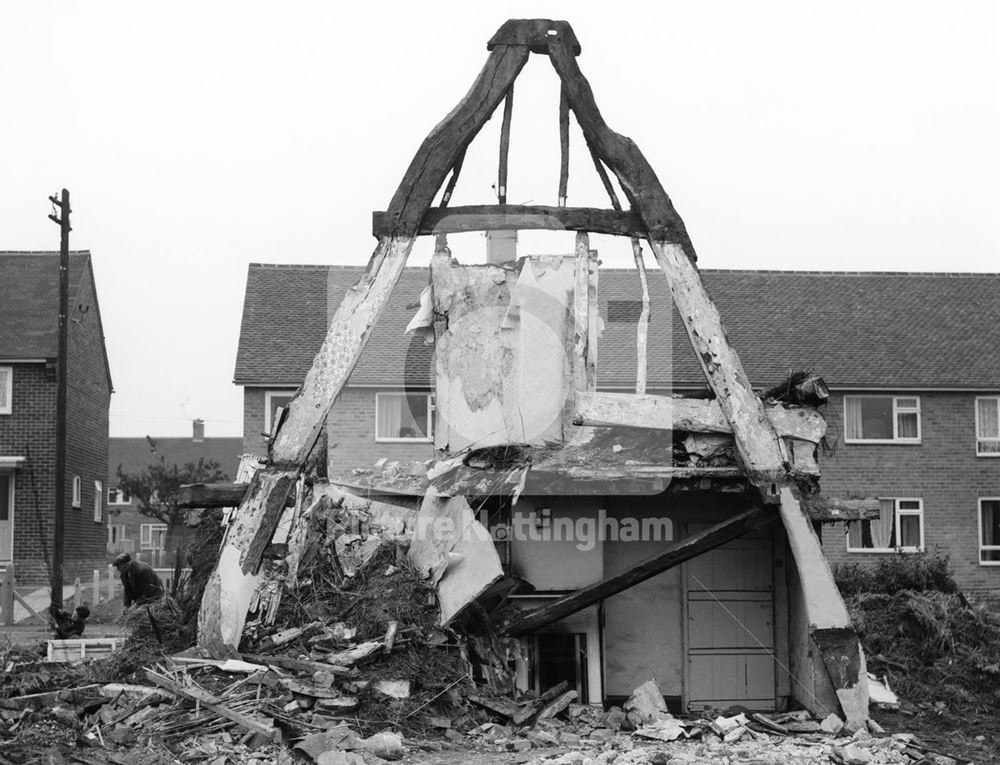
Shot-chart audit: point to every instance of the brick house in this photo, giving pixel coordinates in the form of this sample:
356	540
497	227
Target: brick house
914	416
29	301
140	535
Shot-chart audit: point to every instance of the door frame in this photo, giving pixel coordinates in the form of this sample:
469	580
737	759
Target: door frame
10	511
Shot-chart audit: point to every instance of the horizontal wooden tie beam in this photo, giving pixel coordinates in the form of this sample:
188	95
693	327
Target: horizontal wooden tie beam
457	220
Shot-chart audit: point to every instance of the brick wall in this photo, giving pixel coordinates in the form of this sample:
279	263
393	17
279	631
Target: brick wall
30	432
88	403
352	443
943	471
351	429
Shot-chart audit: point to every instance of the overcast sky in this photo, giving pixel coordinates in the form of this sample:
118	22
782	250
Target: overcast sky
198	137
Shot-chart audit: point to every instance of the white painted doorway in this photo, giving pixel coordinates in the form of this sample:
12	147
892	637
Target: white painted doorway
6	516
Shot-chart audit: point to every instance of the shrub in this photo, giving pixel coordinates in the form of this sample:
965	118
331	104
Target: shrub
920	572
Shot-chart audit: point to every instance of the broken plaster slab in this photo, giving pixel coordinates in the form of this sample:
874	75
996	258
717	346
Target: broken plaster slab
456	551
503	362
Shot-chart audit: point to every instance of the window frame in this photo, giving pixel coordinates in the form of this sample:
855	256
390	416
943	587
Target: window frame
7	383
98	501
897	514
116	530
120	493
979	538
428	439
896	439
976	415
269	407
146	535
77	495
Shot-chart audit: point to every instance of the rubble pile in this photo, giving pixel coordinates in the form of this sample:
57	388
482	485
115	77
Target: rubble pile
934	647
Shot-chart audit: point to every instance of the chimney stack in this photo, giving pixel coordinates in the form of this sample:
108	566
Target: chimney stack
199	430
501	246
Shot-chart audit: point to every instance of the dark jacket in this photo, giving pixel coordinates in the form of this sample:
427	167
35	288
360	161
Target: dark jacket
140	583
65	624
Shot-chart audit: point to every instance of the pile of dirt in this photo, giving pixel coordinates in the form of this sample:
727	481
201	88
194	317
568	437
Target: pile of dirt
933	647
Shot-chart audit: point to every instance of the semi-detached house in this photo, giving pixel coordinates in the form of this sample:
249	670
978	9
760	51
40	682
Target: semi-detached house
29	302
910	358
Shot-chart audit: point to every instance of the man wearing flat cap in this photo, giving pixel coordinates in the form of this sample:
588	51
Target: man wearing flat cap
139	581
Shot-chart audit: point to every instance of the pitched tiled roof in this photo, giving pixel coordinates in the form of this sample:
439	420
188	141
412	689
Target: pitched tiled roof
854	329
135	454
29	301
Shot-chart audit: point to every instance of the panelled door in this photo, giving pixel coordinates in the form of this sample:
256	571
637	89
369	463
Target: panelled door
730	625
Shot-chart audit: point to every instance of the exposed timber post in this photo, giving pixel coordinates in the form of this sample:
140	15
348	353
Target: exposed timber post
230	589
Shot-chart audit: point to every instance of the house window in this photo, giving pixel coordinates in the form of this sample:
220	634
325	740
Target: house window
273	401
989	531
403	417
900	527
152	536
6	389
116	535
98	500
988	426
77	492
118	496
882	419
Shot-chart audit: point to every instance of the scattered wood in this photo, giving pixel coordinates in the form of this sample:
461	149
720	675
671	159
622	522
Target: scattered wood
557	705
206	699
355	655
297	665
390	637
51	698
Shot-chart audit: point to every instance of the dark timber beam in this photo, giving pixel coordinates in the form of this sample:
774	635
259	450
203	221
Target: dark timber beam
831	509
458	220
208	495
677	553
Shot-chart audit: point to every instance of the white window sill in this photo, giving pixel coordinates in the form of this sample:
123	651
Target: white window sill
889	550
989	562
884	441
988	454
404	440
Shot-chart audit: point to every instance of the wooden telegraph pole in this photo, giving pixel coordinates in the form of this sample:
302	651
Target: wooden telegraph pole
58	527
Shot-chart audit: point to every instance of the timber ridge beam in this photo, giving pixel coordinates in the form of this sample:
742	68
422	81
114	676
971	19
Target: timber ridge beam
679	552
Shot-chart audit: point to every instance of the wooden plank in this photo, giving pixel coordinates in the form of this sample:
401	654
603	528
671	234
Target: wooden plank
211	494
830	509
696	415
563	147
677	553
206	699
463	219
297	665
508	111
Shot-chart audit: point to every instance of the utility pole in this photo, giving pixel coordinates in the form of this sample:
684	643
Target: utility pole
58	527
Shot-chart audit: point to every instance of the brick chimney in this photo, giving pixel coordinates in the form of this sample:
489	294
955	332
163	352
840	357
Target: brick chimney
501	246
198	428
